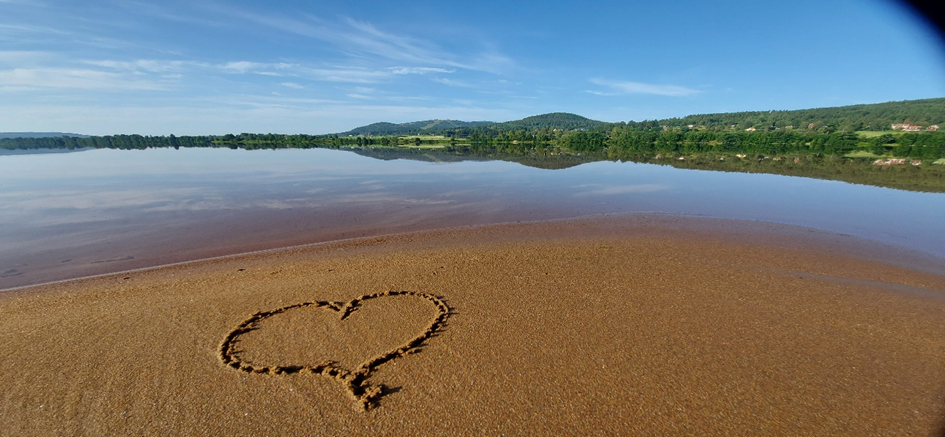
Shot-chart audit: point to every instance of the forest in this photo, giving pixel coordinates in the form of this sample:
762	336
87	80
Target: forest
826	142
628	139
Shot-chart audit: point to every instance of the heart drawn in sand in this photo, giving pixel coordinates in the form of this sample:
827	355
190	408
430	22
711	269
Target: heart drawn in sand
345	341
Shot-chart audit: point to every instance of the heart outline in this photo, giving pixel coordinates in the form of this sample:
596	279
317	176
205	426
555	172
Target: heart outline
354	382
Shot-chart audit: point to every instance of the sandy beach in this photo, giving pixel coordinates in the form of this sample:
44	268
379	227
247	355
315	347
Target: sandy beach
622	325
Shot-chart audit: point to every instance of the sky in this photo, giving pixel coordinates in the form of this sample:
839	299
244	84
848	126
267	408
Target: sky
104	67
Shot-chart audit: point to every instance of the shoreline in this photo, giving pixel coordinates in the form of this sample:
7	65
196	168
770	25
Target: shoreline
873	250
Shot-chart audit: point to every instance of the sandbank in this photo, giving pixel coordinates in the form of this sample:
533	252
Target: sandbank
622	325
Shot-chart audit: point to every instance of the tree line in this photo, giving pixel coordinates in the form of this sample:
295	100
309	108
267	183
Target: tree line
623	138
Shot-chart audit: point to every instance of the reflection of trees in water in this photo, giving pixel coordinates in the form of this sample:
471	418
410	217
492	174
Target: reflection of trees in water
927	177
811	154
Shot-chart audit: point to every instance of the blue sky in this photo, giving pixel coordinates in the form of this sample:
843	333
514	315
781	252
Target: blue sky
213	67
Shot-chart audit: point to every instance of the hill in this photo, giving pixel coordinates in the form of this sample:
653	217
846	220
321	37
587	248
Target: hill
412	128
554	120
864	117
875	116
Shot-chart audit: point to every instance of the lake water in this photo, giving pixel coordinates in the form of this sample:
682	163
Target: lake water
73	214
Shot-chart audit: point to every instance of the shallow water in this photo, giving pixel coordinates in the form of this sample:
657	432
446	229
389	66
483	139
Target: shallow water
66	215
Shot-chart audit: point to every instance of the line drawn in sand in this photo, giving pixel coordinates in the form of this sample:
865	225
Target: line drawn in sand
354	381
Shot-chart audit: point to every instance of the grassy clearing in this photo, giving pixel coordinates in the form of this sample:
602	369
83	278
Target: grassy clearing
423	146
861	154
425	137
874	134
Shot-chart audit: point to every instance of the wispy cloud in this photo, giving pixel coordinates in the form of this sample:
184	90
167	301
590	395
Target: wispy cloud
32	29
363	40
292	85
452	82
352	75
330	74
418	70
146	65
282	69
616	87
241	66
20	78
21	56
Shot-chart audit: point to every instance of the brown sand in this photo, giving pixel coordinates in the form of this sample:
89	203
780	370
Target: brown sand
610	326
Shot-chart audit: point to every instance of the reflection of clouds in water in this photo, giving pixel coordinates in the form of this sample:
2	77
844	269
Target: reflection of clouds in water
313	165
606	190
73	206
384	197
99	199
427	202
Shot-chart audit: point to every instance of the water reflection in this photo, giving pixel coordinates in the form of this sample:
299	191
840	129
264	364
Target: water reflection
65	212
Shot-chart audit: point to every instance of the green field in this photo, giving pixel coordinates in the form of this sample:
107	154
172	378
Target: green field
861	154
877	133
426	137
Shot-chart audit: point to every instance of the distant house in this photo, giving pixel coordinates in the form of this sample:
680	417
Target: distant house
891	161
908	127
932	127
751	129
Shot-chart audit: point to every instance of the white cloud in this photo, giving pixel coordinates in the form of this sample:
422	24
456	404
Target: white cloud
292	85
451	82
241	66
20	78
362	40
22	28
419	70
147	65
626	87
21	57
351	75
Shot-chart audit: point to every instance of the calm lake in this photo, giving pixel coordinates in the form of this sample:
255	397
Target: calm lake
74	214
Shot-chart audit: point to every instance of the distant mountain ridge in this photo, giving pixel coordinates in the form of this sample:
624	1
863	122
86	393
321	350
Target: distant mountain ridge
871	116
553	120
40	135
416	127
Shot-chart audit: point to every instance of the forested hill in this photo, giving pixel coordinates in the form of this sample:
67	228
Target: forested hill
875	117
412	128
865	117
554	120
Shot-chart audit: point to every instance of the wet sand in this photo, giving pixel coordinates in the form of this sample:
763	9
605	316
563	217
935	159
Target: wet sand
623	325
